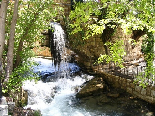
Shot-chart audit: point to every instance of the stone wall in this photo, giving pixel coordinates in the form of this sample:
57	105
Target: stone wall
88	51
91	50
147	94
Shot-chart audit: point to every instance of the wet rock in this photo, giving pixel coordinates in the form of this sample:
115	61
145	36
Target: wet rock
76	88
11	107
114	95
19	111
150	114
93	87
103	99
48	99
45	75
50	77
24	99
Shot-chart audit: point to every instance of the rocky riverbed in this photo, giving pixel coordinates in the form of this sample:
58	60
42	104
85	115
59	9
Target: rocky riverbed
99	96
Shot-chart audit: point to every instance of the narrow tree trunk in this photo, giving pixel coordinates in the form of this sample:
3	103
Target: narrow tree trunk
18	57
20	48
3	12
9	67
153	59
0	82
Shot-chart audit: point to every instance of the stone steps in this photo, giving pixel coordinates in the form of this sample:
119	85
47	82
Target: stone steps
4	107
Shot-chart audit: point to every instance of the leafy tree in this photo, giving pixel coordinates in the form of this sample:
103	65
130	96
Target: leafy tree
9	67
34	17
130	15
93	18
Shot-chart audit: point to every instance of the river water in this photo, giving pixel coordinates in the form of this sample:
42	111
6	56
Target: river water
57	98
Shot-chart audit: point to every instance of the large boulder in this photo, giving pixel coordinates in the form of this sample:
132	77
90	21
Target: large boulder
93	87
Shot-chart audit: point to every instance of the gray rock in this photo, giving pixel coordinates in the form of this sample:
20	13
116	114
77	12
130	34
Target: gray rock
94	86
3	110
102	100
115	95
149	114
3	101
11	106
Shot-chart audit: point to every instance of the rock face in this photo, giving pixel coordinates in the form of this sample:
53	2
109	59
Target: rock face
93	87
18	111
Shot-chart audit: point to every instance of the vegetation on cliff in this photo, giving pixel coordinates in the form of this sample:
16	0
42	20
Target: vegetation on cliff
134	17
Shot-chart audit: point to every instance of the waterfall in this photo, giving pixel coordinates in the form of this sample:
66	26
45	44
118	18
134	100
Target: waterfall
57	40
58	49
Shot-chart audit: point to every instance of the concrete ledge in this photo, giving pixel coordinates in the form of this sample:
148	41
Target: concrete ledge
3	110
3	101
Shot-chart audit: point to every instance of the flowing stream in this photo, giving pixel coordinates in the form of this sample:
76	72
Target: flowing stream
54	98
57	98
54	94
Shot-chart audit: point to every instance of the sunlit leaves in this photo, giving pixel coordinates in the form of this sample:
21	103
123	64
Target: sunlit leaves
136	15
81	16
33	17
97	29
128	14
116	55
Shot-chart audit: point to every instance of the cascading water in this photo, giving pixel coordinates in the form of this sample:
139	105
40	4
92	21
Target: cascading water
55	96
57	41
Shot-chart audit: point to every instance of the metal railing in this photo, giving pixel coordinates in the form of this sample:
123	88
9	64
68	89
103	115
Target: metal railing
131	68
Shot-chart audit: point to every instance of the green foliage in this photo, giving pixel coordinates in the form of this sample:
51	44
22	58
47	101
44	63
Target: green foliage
116	53
37	113
128	14
147	77
148	44
34	16
19	75
80	18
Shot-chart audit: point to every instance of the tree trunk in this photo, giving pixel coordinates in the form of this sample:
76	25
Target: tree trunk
153	59
9	67
3	12
18	57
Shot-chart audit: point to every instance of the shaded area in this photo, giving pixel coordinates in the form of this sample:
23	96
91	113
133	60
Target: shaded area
124	105
73	69
54	52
